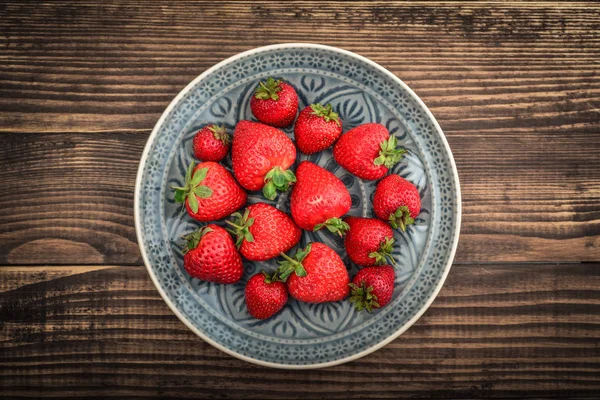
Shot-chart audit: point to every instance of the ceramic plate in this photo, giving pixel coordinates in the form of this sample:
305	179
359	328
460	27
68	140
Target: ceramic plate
302	335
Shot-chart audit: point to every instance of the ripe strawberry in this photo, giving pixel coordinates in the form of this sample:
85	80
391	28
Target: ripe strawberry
274	103
397	200
367	151
369	241
211	256
211	143
210	192
315	275
264	231
261	156
318	199
317	128
265	295
372	287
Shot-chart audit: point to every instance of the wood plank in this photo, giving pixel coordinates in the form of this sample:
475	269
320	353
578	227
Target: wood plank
495	331
533	202
500	66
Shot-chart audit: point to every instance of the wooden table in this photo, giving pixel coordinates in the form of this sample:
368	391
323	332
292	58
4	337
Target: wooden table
516	88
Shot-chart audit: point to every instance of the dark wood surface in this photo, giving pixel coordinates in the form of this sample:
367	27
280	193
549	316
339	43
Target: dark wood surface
516	88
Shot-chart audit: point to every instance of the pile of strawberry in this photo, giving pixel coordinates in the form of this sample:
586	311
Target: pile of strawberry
262	156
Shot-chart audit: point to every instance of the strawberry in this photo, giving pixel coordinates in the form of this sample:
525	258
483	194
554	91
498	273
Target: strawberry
264	231
317	128
274	103
372	287
316	274
210	192
369	241
265	296
261	156
211	256
211	143
367	151
318	199
397	200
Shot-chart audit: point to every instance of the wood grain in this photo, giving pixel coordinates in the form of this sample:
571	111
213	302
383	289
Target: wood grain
495	331
116	65
514	86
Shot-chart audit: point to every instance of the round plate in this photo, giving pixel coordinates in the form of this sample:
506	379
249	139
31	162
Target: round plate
302	335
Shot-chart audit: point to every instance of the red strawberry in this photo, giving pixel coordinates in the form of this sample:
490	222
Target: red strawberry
264	231
265	296
317	128
397	200
367	151
372	287
211	256
315	275
369	241
318	199
274	103
261	156
211	143
210	192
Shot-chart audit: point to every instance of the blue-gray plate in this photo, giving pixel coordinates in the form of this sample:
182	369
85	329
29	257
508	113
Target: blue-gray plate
302	335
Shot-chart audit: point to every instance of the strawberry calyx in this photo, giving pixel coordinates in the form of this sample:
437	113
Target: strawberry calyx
193	188
193	239
294	264
326	113
277	180
334	225
401	218
362	297
271	277
220	133
268	90
241	227
389	155
384	254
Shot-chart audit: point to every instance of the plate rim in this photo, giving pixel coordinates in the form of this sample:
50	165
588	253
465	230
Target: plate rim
138	227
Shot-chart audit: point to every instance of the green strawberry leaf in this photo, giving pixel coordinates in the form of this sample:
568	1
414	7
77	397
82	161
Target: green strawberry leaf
289	264
193	202
268	90
326	113
277	180
270	191
198	177
362	297
179	195
389	155
204	192
188	174
241	227
334	225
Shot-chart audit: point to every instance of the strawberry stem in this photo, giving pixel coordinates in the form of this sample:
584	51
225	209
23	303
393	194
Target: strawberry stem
389	155
242	227
334	225
277	180
383	255
293	264
401	218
